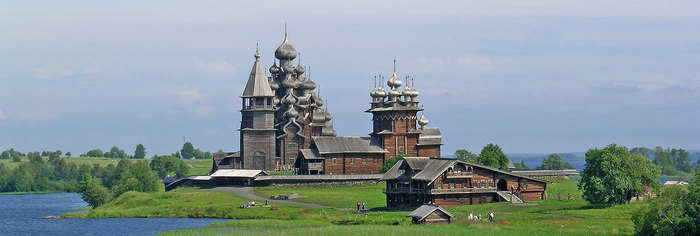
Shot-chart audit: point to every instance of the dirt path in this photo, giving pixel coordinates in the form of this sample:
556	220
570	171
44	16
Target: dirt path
248	193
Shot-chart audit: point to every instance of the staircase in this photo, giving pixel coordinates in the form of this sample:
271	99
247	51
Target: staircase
506	195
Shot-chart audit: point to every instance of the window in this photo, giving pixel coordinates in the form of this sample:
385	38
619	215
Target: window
401	149
376	160
364	160
483	185
352	160
452	185
335	160
439	186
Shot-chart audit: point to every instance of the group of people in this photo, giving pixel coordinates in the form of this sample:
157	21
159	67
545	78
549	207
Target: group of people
364	207
490	216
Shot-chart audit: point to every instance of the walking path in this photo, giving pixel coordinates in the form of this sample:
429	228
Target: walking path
248	193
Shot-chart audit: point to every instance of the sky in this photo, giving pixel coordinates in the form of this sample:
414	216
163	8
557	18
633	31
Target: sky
532	77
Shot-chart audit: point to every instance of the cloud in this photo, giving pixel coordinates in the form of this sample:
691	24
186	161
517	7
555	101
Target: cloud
205	111
189	95
51	72
144	116
429	65
218	68
2	115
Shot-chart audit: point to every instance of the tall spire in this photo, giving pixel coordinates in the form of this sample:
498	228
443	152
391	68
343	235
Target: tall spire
394	65
257	85
285	29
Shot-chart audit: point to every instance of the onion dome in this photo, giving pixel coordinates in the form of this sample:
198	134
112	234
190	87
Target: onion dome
285	51
328	116
394	81
291	112
319	102
319	116
374	93
289	99
381	92
308	84
274	68
422	121
273	84
394	93
288	68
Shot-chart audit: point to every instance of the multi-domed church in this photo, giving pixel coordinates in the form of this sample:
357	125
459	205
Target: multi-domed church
284	126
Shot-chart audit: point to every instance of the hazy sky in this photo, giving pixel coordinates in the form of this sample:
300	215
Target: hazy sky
552	76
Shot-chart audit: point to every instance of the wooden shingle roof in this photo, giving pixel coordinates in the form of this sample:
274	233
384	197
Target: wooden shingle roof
328	145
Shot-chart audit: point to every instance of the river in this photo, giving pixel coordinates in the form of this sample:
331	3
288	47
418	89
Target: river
21	215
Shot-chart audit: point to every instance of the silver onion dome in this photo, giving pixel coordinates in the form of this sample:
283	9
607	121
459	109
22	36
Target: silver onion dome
291	112
285	51
422	121
308	84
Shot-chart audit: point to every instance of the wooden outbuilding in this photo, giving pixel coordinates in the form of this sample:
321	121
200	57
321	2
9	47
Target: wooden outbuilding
430	214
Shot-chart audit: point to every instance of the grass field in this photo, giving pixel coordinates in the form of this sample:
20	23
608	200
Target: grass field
547	217
197	166
341	197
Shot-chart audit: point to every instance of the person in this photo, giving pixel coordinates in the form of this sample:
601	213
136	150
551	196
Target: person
265	202
491	216
252	203
364	206
471	216
358	206
479	215
430	202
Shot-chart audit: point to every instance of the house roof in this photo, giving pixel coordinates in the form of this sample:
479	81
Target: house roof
310	154
425	210
237	173
257	85
430	169
327	145
430	136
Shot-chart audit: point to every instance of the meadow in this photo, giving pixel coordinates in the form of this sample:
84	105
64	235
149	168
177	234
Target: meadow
546	217
197	166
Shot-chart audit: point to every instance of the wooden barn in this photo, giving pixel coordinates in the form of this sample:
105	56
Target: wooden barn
448	182
430	214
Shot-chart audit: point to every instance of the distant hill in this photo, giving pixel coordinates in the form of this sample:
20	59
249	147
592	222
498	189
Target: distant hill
533	160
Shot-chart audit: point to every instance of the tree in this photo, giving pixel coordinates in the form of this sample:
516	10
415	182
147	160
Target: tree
492	155
676	211
187	150
391	162
614	175
148	180
68	154
164	165
521	166
16	158
92	192
95	153
554	162
464	155
140	152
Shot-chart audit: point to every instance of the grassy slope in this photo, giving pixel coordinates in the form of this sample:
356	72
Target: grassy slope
201	166
342	197
548	217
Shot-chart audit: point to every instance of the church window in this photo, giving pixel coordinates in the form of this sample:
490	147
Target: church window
376	160
364	160
335	160
452	185
401	149
352	160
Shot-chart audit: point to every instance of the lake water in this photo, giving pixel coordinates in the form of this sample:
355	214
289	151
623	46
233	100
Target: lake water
21	215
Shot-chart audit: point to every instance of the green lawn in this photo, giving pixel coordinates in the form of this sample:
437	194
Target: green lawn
197	166
101	161
547	217
563	188
342	197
